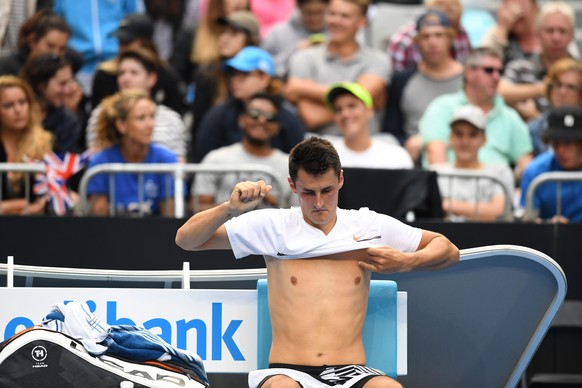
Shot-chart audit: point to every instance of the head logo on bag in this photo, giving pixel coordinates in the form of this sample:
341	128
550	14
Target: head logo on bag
39	354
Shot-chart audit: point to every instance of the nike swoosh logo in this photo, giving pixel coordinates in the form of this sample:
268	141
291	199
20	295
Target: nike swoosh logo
360	239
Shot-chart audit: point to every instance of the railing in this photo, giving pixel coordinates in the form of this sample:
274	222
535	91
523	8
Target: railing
26	168
477	175
185	276
179	171
554	176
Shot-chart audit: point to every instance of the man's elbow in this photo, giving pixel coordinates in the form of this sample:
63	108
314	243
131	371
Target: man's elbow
182	240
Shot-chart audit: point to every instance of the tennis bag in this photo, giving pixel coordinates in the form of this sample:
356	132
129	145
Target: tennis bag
40	358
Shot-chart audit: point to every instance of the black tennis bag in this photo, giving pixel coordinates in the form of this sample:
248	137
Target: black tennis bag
40	358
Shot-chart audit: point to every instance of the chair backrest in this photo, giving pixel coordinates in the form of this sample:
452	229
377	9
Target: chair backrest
379	327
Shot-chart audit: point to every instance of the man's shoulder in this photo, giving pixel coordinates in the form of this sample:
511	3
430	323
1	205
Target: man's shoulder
405	33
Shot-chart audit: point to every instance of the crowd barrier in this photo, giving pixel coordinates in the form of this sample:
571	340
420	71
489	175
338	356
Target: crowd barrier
555	176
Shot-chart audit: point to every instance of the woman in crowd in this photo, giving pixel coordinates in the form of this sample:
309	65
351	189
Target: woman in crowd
22	138
124	129
51	78
563	88
44	32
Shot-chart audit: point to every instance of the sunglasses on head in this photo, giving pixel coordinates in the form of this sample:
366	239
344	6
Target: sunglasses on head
256	113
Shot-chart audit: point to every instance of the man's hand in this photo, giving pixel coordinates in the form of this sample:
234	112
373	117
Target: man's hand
248	195
387	260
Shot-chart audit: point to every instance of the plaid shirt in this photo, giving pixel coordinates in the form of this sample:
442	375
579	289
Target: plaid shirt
403	52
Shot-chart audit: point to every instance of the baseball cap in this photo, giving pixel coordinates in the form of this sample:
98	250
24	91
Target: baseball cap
134	26
353	88
252	58
244	21
432	17
564	123
470	114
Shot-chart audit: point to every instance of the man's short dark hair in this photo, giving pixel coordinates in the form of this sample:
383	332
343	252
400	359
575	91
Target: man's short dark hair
148	59
272	98
315	156
39	69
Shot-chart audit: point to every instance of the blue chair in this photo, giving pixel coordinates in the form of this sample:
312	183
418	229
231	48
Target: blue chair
379	328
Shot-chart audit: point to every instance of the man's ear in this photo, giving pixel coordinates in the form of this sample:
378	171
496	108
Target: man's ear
341	179
292	185
153	78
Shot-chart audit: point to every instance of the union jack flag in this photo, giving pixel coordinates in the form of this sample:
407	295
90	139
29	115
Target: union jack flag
54	182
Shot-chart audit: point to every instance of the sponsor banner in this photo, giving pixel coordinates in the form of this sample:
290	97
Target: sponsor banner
219	325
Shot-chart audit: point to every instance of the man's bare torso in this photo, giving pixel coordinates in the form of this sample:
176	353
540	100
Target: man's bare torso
318	307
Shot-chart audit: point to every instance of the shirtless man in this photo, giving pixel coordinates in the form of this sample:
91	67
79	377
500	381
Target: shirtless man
319	261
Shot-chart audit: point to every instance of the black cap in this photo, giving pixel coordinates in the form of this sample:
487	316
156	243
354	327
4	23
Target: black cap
133	27
564	123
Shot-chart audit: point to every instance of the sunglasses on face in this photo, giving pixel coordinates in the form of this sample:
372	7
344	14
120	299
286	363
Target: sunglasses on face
254	114
490	69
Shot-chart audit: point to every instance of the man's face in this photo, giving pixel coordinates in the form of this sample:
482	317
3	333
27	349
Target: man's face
434	43
351	115
259	121
568	153
231	41
556	33
132	74
484	77
243	85
343	20
58	87
318	197
466	140
313	15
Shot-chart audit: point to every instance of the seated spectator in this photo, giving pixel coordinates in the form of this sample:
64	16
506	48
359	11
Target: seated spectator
563	87
412	89
239	29
564	134
138	68
198	45
92	28
22	139
306	27
515	34
125	126
259	124
508	139
250	71
522	84
352	108
466	198
403	49
339	59
51	78
42	33
136	31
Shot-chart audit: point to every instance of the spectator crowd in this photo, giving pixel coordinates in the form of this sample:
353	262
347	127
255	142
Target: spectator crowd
223	82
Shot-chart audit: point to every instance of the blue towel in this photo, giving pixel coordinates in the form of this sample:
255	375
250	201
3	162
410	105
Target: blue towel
131	343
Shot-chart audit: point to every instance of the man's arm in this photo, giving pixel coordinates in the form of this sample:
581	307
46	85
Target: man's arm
205	230
435	251
512	92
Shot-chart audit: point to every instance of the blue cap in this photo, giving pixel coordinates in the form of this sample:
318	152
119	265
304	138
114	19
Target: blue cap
252	58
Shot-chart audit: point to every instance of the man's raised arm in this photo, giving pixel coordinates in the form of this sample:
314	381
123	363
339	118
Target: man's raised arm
205	230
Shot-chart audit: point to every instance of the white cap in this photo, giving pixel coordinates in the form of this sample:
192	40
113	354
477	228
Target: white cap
471	114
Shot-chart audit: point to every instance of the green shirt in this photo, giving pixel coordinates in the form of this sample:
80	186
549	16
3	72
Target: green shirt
508	136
